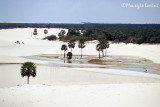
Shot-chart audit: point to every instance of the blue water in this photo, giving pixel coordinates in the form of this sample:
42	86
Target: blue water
133	59
132	69
123	67
55	60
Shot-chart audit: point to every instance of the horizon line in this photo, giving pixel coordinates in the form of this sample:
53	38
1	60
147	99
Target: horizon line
78	23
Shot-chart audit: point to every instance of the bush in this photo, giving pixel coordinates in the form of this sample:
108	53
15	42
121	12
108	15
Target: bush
68	38
69	55
51	37
96	61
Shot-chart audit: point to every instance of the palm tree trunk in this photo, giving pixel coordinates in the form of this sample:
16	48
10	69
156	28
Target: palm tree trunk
64	54
103	53
99	55
28	80
71	49
81	53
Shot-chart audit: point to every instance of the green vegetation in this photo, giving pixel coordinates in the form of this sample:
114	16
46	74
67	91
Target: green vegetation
126	34
61	34
45	31
35	32
69	55
48	56
96	61
81	44
73	34
71	44
64	48
56	57
104	62
28	69
98	48
51	37
102	46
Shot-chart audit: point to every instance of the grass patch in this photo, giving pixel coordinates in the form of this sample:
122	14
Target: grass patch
50	56
96	61
103	62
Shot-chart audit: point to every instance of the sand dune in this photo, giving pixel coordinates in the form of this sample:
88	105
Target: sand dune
34	46
113	88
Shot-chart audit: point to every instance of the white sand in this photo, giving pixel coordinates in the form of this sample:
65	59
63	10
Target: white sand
33	46
144	92
68	76
107	95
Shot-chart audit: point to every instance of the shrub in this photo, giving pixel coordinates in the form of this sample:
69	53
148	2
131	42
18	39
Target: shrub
69	55
96	61
51	37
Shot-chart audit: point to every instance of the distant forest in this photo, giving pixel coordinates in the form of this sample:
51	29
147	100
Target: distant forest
128	33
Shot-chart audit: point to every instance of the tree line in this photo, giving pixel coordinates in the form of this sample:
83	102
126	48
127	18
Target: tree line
116	34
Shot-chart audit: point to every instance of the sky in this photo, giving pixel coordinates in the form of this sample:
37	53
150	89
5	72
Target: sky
95	11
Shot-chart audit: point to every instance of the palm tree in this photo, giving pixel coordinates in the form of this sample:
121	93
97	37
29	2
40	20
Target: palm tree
45	31
35	32
28	69
64	48
99	48
107	46
61	34
81	45
103	44
71	44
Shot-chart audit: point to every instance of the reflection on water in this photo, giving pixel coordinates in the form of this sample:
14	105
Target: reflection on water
69	61
55	60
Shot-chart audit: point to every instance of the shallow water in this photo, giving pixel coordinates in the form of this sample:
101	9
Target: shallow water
132	69
133	59
122	67
55	60
138	69
51	74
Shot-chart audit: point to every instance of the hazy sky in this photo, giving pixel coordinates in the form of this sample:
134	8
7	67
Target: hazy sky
99	11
